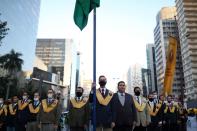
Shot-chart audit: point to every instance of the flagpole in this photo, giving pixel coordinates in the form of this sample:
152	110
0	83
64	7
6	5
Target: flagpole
94	69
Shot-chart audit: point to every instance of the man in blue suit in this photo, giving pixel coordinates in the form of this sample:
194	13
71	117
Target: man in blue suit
103	106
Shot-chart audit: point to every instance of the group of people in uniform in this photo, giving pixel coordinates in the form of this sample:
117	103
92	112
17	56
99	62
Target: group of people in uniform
118	111
30	115
121	111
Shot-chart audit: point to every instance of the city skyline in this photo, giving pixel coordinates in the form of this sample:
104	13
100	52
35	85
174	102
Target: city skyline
124	21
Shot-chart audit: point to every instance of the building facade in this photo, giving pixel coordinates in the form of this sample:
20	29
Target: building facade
146	81
151	65
52	53
166	26
61	58
187	23
22	20
134	78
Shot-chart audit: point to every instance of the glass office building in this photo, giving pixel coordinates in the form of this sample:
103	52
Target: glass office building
22	17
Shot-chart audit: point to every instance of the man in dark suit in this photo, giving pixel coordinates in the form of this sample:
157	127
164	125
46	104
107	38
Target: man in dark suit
123	110
103	106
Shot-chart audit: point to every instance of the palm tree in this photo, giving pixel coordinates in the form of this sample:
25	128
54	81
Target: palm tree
12	63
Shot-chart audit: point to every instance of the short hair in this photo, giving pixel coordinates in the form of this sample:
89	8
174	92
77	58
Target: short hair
120	82
154	92
137	87
25	92
36	91
51	90
169	96
101	76
79	87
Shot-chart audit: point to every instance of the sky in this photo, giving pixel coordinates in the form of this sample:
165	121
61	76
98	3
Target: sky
124	27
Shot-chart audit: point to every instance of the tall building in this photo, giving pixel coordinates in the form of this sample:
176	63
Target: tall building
187	24
22	19
166	25
146	81
151	65
52	53
61	58
134	78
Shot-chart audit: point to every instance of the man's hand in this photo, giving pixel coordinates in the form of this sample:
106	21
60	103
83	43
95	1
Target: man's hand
93	85
112	124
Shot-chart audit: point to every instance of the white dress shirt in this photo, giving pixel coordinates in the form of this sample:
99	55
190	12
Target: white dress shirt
140	99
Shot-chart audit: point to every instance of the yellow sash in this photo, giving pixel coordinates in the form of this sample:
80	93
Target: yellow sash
158	106
139	107
4	109
195	111
104	101
48	108
78	104
12	112
34	110
171	109
22	106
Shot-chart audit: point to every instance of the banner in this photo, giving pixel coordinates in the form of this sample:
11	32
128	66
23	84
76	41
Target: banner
170	66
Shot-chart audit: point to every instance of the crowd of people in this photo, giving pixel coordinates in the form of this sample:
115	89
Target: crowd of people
121	111
118	111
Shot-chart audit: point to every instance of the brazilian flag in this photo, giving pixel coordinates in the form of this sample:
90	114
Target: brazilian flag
82	10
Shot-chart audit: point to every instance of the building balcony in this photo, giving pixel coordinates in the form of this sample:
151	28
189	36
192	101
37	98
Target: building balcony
191	24
191	19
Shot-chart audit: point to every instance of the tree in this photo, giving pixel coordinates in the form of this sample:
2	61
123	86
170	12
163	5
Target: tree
3	30
12	63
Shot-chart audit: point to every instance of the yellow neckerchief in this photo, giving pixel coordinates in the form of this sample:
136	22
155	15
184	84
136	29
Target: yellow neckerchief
48	108
78	104
104	101
34	110
22	106
171	109
3	109
139	107
154	113
195	111
12	112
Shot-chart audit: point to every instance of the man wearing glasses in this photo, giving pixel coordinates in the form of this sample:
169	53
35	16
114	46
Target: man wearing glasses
123	110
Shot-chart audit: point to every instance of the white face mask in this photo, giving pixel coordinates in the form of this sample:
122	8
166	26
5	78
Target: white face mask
1	102
50	95
24	97
36	99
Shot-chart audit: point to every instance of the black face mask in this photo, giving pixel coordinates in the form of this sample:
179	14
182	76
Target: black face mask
137	93
102	83
151	99
78	94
